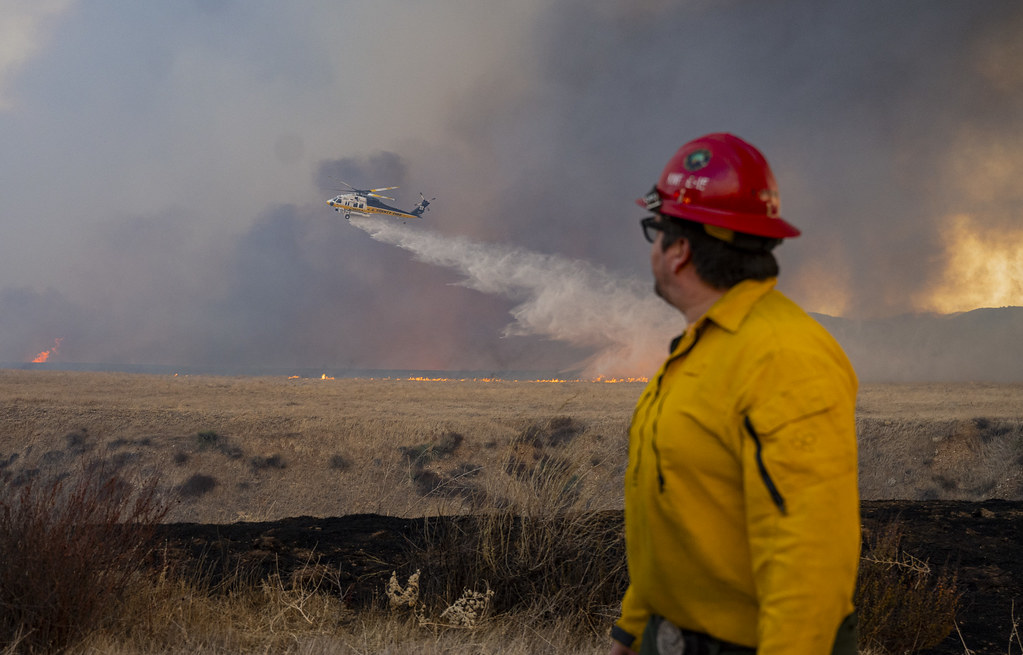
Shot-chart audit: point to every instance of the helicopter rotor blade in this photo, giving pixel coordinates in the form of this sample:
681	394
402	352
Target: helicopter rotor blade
369	192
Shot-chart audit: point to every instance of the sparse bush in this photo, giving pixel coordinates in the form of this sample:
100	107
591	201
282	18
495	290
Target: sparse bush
466	470
197	485
339	462
70	548
78	441
904	606
431	483
272	462
417	455
423	454
448	444
555	431
211	440
207	438
425	481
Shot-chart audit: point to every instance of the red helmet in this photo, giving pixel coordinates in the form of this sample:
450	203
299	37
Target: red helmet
719	180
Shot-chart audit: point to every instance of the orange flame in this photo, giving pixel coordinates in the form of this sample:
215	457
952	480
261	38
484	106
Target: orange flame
600	379
984	268
606	380
45	355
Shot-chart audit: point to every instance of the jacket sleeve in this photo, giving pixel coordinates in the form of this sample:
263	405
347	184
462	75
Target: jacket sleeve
805	534
628	630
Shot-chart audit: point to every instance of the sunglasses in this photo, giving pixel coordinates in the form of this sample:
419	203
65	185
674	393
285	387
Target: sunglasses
651	226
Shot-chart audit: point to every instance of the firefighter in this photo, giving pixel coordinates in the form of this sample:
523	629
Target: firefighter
742	519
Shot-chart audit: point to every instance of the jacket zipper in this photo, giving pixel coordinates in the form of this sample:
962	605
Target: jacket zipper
768	482
659	401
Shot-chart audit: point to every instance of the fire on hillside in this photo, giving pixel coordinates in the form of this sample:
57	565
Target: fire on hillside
45	355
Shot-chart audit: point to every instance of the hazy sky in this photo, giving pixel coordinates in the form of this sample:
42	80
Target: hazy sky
164	166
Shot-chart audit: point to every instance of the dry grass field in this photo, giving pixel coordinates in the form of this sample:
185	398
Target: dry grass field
265	448
941	441
242	458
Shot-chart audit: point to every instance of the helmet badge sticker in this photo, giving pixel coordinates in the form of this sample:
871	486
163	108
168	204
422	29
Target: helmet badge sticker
683	181
696	160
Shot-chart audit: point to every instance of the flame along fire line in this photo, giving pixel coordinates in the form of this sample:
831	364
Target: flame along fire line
599	380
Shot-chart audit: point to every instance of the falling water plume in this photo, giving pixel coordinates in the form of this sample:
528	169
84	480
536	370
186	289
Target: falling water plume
559	298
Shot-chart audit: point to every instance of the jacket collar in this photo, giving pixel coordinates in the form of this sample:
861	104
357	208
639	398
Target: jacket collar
731	309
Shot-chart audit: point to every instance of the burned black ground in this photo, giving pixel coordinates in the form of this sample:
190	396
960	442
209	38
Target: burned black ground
980	541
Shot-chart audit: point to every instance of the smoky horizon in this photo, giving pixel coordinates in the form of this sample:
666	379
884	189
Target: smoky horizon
166	169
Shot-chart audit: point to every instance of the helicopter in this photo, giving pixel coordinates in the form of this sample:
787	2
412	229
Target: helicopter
367	202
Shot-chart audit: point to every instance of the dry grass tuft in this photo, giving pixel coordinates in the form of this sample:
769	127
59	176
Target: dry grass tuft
904	605
71	548
548	566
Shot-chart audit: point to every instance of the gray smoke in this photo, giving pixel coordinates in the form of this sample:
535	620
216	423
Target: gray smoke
162	197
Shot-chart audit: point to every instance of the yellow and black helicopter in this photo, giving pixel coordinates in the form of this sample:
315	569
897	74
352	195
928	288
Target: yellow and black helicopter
367	202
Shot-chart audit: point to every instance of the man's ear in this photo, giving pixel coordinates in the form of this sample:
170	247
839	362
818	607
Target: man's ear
679	254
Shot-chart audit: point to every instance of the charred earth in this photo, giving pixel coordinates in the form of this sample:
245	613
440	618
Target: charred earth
980	541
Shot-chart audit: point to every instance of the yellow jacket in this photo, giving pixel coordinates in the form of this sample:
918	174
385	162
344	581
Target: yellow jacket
741	498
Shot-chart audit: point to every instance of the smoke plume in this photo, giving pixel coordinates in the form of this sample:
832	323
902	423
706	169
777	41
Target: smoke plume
559	298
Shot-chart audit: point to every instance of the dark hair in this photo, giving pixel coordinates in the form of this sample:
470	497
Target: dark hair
720	264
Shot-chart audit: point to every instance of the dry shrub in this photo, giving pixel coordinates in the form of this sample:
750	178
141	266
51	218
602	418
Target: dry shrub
70	548
167	612
442	448
554	431
904	605
259	463
188	617
549	566
211	440
196	485
339	462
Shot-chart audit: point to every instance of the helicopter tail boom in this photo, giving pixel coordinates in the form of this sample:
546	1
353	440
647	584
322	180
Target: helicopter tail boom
423	205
